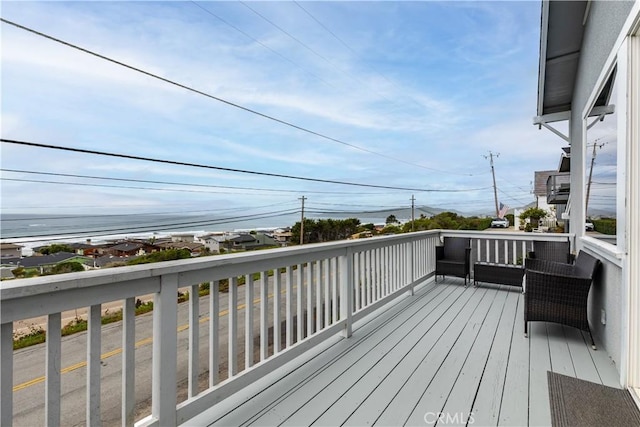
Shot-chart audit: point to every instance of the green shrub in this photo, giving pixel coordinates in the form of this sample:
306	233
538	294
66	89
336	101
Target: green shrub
168	255
605	226
66	267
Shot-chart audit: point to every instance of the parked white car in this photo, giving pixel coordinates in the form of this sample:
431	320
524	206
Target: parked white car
588	226
500	222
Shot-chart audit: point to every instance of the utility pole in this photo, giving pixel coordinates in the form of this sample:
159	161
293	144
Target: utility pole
302	221
593	160
413	217
493	174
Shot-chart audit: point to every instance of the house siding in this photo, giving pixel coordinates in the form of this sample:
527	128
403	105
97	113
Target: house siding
602	30
604	23
606	294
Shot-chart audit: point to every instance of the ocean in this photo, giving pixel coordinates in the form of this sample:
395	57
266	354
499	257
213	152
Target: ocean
30	228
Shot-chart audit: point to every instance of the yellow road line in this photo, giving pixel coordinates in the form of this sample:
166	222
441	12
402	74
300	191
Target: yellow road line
119	350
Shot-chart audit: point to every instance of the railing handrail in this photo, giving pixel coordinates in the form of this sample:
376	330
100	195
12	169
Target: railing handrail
20	288
516	235
144	278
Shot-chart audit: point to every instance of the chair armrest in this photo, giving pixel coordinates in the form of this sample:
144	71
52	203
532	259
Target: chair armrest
571	258
531	254
467	257
439	252
556	287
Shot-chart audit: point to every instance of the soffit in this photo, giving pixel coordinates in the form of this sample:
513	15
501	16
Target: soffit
561	35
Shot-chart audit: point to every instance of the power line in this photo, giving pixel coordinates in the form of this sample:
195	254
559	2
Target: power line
353	51
352	205
158	182
526	190
128	216
129	187
511	197
313	51
174	162
217	98
262	44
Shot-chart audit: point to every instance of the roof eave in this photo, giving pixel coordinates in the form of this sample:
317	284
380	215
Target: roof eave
544	34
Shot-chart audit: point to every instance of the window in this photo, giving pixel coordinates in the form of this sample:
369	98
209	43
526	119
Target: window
601	164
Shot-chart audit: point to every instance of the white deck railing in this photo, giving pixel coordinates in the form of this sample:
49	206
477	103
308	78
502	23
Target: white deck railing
310	293
505	247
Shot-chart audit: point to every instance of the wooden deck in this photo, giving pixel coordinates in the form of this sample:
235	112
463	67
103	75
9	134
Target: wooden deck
447	350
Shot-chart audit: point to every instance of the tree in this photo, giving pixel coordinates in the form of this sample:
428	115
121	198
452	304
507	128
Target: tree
369	226
67	267
534	215
391	219
55	248
391	229
167	255
325	230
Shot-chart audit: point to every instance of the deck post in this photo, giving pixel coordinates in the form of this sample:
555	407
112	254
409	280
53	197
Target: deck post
412	273
94	346
6	374
165	323
128	361
346	291
52	370
194	339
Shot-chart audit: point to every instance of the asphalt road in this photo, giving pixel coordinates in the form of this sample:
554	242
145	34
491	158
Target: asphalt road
29	365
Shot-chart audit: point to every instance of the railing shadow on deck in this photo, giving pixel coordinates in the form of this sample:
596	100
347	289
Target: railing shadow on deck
299	297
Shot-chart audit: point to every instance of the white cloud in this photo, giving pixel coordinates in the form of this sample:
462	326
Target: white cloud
401	89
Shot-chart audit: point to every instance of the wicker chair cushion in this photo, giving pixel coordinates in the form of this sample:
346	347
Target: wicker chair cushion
454	248
551	251
585	265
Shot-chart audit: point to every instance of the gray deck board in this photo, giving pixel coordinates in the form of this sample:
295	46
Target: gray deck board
515	400
605	366
465	387
539	364
294	393
370	410
350	378
579	350
359	389
435	396
448	349
408	398
310	403
486	406
561	361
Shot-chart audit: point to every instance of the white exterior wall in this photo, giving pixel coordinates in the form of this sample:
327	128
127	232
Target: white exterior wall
606	27
606	295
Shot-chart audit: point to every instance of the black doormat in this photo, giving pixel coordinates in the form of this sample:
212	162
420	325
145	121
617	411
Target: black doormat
582	403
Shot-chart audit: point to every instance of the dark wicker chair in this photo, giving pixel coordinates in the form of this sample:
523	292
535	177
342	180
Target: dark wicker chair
552	251
454	258
557	292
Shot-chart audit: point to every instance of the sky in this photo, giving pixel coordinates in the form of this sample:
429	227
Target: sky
247	107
